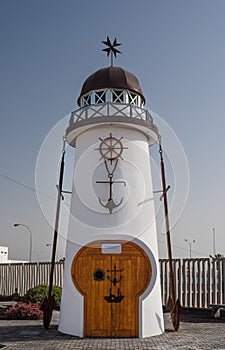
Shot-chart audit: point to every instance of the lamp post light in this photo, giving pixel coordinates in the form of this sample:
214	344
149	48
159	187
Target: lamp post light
30	233
214	241
190	244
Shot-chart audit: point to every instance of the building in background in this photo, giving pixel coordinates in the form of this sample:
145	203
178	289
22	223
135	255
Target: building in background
4	257
4	251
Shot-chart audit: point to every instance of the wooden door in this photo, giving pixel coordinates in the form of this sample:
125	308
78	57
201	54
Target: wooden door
111	285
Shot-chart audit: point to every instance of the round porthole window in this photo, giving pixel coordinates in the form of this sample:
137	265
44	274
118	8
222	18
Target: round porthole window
99	275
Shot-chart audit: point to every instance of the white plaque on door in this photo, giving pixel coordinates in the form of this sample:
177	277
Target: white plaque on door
111	248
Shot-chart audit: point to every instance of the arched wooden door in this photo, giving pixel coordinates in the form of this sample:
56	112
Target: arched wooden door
111	276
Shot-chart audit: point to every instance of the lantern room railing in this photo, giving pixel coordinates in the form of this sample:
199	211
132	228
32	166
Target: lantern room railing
110	110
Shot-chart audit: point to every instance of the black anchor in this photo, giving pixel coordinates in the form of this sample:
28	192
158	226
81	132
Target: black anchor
110	205
115	280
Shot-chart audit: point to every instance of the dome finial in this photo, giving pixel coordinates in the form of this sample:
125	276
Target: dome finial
111	48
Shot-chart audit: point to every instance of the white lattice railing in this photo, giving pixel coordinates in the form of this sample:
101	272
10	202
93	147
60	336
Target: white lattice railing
110	110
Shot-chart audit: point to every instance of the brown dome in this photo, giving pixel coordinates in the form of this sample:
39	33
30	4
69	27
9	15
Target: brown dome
111	78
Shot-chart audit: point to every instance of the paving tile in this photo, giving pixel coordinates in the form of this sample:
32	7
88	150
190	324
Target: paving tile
192	335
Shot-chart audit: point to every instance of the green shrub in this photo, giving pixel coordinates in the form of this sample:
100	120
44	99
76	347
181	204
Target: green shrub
39	293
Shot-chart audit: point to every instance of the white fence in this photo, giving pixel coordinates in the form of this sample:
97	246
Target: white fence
198	282
24	276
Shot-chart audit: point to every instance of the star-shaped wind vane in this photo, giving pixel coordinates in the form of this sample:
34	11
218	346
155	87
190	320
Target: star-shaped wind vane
111	49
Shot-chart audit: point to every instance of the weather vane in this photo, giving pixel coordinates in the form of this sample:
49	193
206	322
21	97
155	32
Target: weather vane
111	49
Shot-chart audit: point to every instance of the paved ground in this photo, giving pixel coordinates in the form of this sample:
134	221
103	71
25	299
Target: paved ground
194	334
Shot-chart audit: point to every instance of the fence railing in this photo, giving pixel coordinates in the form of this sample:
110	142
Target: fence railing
198	282
24	276
109	109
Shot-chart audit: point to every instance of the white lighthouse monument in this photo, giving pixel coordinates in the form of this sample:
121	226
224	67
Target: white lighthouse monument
112	279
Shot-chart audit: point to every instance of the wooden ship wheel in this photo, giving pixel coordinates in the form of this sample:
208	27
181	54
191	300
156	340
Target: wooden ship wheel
111	148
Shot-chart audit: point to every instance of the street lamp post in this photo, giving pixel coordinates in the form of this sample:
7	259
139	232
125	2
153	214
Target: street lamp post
30	233
214	242
190	244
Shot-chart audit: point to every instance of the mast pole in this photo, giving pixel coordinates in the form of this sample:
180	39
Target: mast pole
49	301
166	213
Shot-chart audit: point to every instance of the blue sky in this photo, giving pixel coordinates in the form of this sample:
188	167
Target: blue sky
175	48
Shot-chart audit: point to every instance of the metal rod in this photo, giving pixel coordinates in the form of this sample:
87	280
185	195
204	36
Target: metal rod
111	58
190	244
172	286
56	220
214	242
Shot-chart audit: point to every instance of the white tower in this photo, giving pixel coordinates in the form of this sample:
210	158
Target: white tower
112	278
